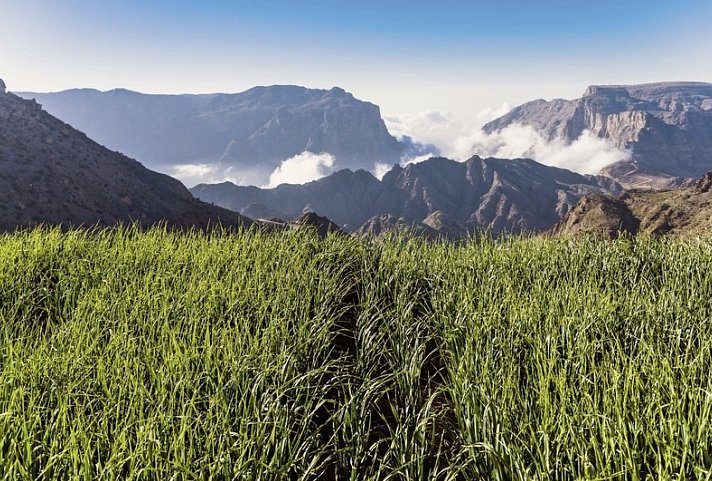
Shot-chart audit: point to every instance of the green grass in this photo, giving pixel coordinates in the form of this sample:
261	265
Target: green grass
251	356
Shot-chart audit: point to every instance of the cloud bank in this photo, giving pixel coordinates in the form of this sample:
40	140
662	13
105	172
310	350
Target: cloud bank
588	154
301	169
427	134
194	174
455	139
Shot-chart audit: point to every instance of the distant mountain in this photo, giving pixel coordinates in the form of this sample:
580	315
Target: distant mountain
668	127
492	194
246	135
53	174
388	224
680	212
437	225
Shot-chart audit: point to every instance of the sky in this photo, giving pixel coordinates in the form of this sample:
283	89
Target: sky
408	56
438	69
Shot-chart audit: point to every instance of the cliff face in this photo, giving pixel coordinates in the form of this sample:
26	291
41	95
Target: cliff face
479	194
53	174
682	212
251	132
667	126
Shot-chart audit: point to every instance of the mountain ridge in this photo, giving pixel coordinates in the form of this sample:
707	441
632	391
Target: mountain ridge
666	125
51	173
683	212
248	133
518	195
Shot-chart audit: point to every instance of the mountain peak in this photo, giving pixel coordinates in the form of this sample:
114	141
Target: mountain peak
605	90
3	88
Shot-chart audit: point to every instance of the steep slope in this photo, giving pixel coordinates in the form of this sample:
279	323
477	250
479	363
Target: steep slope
250	133
667	126
493	194
680	212
53	174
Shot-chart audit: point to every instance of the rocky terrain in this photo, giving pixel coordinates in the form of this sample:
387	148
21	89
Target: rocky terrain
51	173
667	127
437	225
438	194
247	134
679	212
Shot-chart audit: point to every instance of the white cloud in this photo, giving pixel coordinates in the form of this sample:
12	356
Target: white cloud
440	129
490	113
380	169
301	169
429	127
455	139
193	174
423	126
587	155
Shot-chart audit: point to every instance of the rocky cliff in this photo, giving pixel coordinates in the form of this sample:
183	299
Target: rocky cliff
667	127
53	174
480	194
247	134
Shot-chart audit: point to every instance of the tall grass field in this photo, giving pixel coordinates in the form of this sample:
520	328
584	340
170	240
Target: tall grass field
158	355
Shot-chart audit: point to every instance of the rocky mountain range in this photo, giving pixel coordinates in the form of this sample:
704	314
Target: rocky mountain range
682	212
244	135
666	126
52	174
479	194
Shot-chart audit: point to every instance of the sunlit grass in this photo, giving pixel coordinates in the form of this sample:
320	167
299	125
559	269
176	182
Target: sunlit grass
164	355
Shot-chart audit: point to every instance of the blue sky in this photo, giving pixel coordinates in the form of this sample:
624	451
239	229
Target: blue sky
406	56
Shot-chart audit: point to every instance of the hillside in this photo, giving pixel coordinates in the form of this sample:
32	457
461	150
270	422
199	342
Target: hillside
247	134
51	173
667	127
685	212
480	194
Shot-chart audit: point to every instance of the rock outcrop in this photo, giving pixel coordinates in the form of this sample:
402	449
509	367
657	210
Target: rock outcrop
437	226
517	196
390	225
53	174
683	212
322	225
667	127
251	132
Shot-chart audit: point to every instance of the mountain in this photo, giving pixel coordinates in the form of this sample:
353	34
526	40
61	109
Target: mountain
246	134
492	194
53	174
437	225
679	212
667	126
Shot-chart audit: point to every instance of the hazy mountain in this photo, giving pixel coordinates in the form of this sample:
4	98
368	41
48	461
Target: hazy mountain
680	212
51	173
668	127
245	135
498	195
